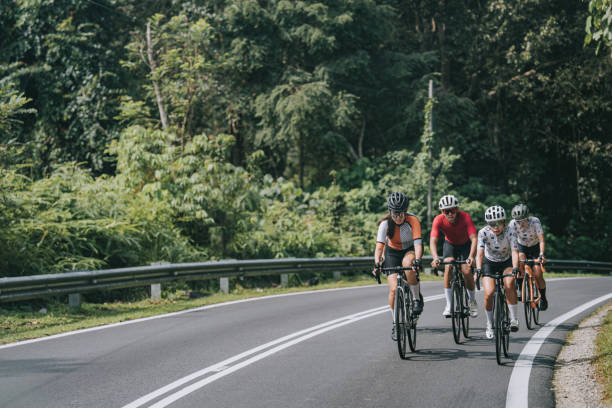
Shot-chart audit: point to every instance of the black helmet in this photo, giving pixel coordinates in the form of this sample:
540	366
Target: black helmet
397	202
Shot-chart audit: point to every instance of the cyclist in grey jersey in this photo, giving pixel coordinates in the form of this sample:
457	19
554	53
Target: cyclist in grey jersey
497	254
532	245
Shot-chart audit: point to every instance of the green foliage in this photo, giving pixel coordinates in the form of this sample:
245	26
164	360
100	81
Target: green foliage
599	24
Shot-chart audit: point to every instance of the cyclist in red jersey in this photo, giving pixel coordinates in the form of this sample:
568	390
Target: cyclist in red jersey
460	242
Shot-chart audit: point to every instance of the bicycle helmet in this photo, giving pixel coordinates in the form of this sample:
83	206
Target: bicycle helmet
495	213
448	201
397	202
520	211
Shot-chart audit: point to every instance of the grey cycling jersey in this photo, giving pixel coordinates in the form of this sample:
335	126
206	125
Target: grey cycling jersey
498	248
528	235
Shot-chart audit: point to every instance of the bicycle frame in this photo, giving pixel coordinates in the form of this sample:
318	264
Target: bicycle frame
460	312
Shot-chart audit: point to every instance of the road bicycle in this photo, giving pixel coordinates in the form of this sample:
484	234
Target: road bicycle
460	301
530	293
404	317
501	316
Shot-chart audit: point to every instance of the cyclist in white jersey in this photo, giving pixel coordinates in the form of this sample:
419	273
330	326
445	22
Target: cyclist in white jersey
497	254
531	245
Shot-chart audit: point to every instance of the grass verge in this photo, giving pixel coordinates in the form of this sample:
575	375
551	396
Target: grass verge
603	361
17	325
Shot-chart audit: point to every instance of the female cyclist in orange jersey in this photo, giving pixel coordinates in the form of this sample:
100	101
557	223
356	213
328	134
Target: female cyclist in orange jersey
399	243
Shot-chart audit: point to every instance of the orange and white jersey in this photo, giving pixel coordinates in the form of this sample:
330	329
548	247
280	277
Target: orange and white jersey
406	235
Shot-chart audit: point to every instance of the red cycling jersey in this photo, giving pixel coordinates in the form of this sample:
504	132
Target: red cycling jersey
457	233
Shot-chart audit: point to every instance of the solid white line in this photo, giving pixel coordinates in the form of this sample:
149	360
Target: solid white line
517	395
197	309
312	332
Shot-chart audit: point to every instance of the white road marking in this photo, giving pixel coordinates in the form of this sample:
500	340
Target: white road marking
517	395
286	342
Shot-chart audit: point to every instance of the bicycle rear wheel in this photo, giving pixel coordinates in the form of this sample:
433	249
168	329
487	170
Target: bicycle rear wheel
499	326
465	320
528	296
456	311
400	321
412	322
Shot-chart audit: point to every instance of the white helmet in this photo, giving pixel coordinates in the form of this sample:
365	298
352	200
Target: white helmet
495	213
520	211
448	201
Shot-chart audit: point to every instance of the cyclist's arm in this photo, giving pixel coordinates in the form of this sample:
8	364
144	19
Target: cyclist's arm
542	243
515	259
418	251
474	240
433	246
378	253
479	256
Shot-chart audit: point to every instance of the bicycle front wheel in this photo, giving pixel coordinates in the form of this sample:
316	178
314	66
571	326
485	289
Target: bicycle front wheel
412	322
499	326
456	311
528	296
506	327
465	320
536	307
400	321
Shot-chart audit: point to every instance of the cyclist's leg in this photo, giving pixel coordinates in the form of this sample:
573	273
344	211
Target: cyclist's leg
488	286
413	280
510	288
447	255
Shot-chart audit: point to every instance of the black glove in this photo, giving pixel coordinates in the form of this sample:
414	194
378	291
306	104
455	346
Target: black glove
515	271
417	264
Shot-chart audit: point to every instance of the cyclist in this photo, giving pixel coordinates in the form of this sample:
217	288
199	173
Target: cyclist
399	243
531	244
460	241
497	254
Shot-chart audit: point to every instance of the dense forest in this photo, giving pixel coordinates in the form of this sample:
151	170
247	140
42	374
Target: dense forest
141	131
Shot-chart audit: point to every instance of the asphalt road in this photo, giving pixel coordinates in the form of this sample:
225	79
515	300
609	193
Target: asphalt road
316	349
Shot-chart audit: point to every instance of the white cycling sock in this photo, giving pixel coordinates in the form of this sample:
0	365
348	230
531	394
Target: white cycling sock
415	290
489	318
512	309
448	293
471	294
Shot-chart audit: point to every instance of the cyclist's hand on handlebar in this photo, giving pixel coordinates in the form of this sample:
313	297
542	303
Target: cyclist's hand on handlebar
542	259
469	261
417	264
515	271
436	262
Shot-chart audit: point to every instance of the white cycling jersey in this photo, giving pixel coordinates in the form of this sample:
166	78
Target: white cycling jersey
498	248
527	236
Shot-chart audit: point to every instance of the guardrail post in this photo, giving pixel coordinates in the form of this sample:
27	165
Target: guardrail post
337	275
155	292
224	285
284	280
74	300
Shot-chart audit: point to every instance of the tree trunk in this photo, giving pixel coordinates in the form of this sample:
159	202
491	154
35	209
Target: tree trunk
153	66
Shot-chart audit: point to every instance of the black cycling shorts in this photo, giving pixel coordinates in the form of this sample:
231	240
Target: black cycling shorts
491	268
532	252
459	252
393	257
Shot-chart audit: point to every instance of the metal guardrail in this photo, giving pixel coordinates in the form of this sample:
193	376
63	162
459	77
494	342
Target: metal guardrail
30	287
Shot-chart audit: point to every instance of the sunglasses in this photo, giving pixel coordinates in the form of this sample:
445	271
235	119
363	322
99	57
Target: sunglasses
397	215
450	211
496	224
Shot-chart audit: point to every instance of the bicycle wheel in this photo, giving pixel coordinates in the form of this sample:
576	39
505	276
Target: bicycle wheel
499	324
528	297
465	321
412	322
400	321
456	311
506	327
536	307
